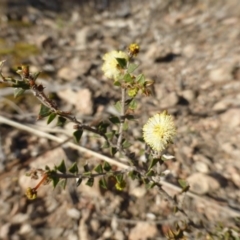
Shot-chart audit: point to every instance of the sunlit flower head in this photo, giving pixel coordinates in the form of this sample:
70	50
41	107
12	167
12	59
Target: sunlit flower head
159	131
111	67
133	49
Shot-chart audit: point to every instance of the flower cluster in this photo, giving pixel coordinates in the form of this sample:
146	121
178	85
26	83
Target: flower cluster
159	131
111	66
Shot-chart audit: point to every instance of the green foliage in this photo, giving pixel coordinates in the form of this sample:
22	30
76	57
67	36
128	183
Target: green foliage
44	111
77	135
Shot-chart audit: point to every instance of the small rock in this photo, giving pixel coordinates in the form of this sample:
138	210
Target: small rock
20	218
143	231
198	183
82	99
202	184
169	101
189	50
189	95
25	229
68	74
74	213
201	167
4	231
221	74
231	118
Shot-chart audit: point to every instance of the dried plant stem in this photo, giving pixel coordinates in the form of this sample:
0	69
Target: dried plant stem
122	119
36	132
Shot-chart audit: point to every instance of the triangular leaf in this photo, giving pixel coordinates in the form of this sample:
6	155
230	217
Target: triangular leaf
132	67
62	167
51	117
122	62
125	126
98	168
105	145
55	181
133	104
61	121
77	135
107	167
114	119
113	151
90	182
153	163
183	183
118	106
140	79
150	173
119	177
128	78
62	183
73	168
103	183
86	168
126	144
44	111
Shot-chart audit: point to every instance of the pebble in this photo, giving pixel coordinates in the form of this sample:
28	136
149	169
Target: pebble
221	74
74	213
143	231
81	99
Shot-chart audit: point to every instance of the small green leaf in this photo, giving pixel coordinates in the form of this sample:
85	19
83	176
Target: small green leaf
125	126
105	145
126	144
98	168
77	135
55	181
86	168
110	135
87	174
114	119
128	78
73	168
183	183
119	177
140	79
117	83
133	104
153	163
62	167
102	127
107	167
90	182
122	62
150	185
150	173
44	111
134	175
51	117
118	106
18	92
132	67
62	183
61	121
113	150
103	183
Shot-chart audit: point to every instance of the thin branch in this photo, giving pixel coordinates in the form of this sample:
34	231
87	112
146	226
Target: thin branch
122	119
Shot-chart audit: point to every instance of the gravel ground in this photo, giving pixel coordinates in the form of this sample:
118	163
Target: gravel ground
189	48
